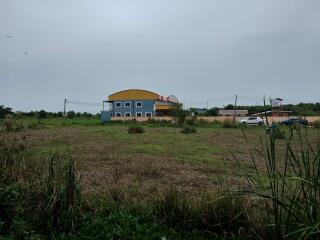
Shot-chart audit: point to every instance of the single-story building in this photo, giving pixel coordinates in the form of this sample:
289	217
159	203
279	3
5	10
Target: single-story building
238	113
137	103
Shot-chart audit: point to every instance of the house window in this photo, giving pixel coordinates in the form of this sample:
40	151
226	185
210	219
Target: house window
138	104
148	114
127	104
128	114
118	104
138	114
118	114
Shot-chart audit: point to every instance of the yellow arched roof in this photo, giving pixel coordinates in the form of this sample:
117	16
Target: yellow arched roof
132	94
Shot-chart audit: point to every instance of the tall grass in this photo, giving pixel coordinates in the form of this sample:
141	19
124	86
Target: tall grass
291	194
40	188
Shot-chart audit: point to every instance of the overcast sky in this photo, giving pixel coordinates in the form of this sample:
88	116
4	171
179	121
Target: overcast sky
199	50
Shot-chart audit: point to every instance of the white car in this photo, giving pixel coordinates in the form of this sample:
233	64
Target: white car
252	121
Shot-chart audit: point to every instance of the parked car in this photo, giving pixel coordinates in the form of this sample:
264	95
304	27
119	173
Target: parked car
252	121
294	120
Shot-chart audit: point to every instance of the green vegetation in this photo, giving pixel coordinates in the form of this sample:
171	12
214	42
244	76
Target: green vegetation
79	179
228	123
188	129
301	109
135	129
4	111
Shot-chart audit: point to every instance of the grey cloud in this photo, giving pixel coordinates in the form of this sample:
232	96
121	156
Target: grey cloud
197	50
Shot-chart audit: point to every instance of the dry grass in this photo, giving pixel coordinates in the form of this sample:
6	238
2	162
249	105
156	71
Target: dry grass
108	157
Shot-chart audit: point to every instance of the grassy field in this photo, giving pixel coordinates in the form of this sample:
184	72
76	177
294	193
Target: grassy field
160	177
162	157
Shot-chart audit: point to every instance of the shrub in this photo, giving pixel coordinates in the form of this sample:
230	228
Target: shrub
192	121
9	125
135	129
188	129
228	123
179	115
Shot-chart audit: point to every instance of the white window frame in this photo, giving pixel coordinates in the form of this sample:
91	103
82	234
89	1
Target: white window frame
116	114
145	114
125	114
127	106
139	106
115	105
139	113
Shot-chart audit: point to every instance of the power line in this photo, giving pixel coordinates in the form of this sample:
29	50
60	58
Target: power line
84	103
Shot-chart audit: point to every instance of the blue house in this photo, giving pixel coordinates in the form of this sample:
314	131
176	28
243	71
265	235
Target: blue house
137	103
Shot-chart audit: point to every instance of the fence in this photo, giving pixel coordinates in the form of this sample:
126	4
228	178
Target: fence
271	119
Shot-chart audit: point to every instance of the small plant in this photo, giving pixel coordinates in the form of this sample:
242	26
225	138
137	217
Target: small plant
228	123
188	129
135	129
277	133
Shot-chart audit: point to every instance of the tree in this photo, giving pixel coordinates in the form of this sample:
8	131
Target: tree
71	114
42	114
212	111
4	111
229	107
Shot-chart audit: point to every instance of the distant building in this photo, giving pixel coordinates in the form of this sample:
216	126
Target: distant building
233	112
137	103
198	111
277	108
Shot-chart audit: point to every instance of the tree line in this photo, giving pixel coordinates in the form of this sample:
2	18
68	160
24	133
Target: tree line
302	109
43	114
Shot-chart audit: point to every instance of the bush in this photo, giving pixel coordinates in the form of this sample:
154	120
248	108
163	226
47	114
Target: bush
192	121
228	123
9	125
179	115
188	129
135	129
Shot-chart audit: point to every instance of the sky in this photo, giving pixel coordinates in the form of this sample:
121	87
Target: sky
203	51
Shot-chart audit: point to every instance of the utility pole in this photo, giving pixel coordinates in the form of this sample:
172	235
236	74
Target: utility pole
207	105
64	107
235	108
265	111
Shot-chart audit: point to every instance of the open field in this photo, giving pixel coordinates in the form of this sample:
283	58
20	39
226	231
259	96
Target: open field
162	157
161	183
